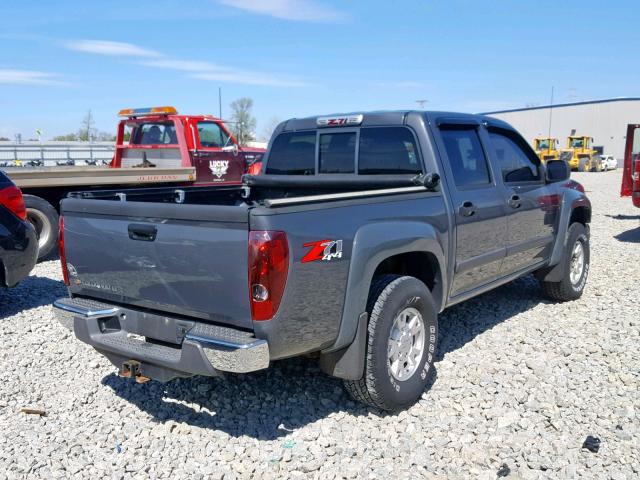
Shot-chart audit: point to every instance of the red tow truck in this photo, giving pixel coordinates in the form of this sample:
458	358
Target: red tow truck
154	147
631	172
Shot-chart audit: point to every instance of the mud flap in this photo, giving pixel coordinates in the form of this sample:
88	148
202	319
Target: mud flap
348	363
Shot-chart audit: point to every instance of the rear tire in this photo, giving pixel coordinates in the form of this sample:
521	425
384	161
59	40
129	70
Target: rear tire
44	219
575	267
582	165
401	343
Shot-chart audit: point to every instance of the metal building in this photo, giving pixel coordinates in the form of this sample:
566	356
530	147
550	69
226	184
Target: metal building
604	120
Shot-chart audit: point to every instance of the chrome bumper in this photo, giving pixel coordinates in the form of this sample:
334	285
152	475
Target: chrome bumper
204	350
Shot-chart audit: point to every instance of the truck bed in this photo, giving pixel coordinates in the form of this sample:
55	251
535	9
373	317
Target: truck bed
183	251
26	177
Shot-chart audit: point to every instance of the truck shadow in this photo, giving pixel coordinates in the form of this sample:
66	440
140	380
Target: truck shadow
460	324
30	293
629	236
624	217
293	393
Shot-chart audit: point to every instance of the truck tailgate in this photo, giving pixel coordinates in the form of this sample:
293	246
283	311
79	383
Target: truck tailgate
185	260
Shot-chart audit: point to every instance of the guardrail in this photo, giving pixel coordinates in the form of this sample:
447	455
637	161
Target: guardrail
77	153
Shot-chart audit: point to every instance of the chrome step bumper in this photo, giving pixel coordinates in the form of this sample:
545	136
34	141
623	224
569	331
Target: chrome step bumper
203	349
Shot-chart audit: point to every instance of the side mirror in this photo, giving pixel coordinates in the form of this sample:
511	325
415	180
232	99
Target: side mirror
557	171
231	148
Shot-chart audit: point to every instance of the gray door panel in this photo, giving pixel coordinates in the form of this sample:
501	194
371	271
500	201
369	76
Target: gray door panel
532	206
479	210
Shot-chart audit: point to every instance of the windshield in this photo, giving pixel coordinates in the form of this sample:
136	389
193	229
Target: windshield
577	142
154	133
543	144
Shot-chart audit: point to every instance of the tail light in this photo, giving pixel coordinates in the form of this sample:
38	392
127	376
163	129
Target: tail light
268	270
63	256
254	168
11	197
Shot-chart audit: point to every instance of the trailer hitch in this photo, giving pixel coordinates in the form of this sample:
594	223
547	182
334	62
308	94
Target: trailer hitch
131	369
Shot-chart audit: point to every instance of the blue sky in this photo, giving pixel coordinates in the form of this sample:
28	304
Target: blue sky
59	58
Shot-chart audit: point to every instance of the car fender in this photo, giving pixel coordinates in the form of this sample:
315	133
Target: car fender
373	243
571	199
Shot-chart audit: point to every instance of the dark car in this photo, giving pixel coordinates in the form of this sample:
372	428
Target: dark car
18	241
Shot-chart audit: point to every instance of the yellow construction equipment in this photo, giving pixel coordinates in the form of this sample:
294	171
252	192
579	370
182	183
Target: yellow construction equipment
580	156
546	148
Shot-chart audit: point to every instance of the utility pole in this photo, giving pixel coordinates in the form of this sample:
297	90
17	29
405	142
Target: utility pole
421	103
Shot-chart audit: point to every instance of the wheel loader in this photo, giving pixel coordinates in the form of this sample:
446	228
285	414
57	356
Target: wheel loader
546	148
580	155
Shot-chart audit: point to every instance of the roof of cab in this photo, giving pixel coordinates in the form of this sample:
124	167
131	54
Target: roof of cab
397	117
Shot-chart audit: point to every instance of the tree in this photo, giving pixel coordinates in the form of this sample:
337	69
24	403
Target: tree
4	139
87	132
243	124
69	137
269	128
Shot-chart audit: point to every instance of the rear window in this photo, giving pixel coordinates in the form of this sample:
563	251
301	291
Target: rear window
154	134
293	154
382	150
337	152
387	150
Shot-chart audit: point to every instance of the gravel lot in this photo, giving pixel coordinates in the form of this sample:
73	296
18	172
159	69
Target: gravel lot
520	384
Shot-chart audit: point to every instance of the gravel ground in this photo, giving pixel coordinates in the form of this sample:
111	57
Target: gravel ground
521	382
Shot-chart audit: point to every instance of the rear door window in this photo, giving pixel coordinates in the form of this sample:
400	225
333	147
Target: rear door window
338	152
293	154
466	157
155	134
387	150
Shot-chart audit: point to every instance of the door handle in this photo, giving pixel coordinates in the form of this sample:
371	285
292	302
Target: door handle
467	209
142	232
514	201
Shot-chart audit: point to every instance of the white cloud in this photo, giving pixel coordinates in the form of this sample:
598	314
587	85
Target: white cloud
201	70
220	73
28	77
402	84
183	65
297	10
250	78
114	49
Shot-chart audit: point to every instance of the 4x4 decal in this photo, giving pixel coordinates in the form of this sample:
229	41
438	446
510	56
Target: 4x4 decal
323	250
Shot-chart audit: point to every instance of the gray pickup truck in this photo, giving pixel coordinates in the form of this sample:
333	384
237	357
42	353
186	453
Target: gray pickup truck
360	230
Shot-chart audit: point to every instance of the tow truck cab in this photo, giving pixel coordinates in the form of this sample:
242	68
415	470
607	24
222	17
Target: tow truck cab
160	137
631	173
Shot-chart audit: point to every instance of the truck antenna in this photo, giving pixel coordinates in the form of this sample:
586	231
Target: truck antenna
550	112
220	103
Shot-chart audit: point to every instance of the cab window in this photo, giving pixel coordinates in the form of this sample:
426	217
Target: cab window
293	154
212	136
517	162
387	150
154	134
466	157
337	152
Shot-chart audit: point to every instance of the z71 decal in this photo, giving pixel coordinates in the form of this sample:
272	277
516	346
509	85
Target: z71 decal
323	250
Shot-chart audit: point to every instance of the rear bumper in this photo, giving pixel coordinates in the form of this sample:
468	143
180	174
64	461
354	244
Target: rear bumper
124	335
